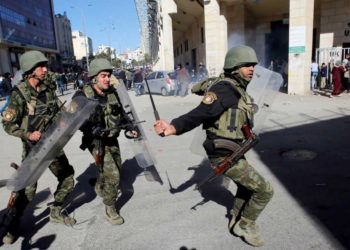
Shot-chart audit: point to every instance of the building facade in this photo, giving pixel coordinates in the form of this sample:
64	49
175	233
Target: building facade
108	50
128	55
26	25
285	32
64	38
82	46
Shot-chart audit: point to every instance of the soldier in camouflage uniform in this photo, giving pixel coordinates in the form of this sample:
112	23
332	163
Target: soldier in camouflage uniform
32	103
225	108
101	131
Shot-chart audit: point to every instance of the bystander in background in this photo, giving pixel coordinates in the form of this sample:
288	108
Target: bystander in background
323	76
183	77
138	78
346	65
202	72
314	73
337	73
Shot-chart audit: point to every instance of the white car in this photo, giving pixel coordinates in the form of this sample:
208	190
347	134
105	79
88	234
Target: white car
160	82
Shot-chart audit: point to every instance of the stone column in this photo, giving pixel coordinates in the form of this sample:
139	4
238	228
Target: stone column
235	15
166	48
215	27
301	18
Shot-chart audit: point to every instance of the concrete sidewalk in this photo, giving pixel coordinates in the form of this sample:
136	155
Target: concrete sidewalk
309	210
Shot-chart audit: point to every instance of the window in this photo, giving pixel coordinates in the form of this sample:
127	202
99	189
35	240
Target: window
160	75
151	76
12	16
186	45
181	49
202	34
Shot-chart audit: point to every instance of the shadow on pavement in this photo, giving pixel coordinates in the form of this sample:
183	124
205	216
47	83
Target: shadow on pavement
215	191
84	188
129	171
83	191
320	184
31	224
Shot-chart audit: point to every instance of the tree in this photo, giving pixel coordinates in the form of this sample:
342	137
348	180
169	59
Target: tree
109	54
134	63
116	63
147	59
102	55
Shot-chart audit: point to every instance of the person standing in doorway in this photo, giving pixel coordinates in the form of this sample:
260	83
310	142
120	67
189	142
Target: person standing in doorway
314	74
324	73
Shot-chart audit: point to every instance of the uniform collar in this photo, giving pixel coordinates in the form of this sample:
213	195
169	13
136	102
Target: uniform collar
41	87
243	82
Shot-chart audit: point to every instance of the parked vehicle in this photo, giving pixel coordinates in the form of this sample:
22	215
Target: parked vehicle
160	82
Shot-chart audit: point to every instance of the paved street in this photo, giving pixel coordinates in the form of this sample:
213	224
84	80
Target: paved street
309	210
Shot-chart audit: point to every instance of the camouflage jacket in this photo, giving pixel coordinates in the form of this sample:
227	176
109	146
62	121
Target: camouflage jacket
28	109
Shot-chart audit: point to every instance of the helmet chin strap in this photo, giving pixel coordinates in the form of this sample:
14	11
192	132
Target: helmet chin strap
34	75
237	74
244	78
95	85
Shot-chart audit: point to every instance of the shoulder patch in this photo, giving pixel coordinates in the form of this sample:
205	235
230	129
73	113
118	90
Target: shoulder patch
9	115
209	97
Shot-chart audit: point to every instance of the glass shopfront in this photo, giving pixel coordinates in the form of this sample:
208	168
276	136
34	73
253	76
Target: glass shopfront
29	22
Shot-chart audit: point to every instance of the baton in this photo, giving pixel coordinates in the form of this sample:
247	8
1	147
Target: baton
156	115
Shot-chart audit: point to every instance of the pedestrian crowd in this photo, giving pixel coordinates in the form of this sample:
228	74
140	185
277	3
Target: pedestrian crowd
334	76
187	76
182	78
5	89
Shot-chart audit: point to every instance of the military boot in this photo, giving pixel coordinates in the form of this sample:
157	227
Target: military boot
58	217
9	238
248	230
112	216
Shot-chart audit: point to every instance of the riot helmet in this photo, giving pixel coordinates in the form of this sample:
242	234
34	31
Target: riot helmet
98	65
239	56
30	59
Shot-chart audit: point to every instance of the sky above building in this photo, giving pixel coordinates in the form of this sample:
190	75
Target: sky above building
108	22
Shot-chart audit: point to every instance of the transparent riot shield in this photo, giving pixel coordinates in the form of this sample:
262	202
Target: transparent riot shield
53	140
3	183
17	78
196	146
263	88
140	145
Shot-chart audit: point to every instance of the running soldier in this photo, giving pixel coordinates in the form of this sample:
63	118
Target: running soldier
226	107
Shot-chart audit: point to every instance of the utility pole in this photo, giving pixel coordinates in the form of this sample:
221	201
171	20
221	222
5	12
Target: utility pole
86	41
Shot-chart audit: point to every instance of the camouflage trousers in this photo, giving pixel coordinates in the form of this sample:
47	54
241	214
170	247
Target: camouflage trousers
64	173
253	191
109	178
